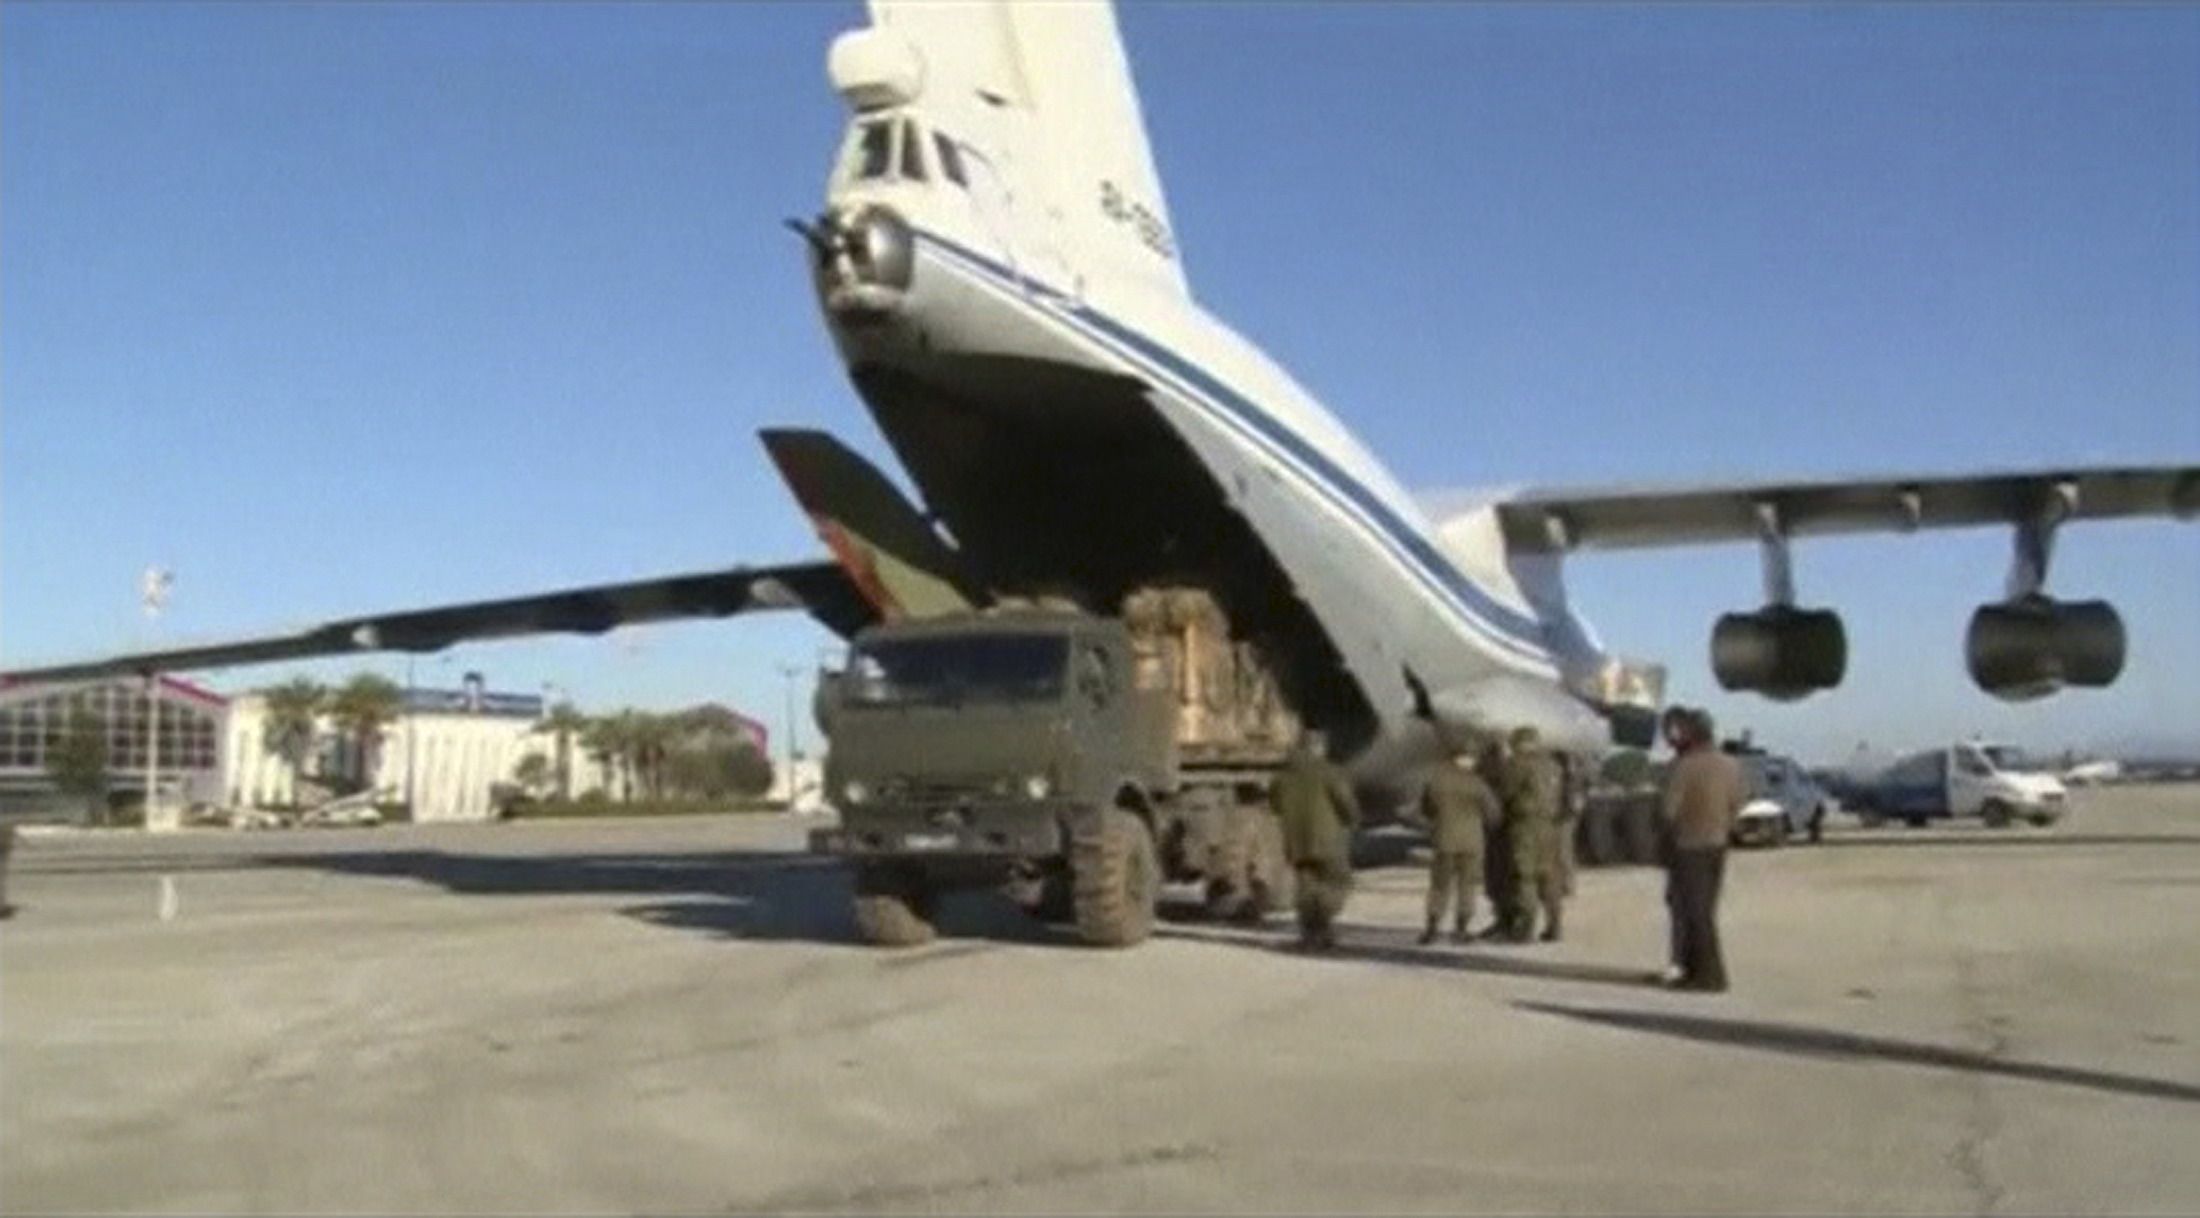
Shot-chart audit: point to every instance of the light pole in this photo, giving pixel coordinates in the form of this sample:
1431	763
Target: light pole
790	672
412	739
153	594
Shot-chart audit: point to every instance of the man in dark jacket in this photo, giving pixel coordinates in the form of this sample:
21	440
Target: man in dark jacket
1318	813
1704	791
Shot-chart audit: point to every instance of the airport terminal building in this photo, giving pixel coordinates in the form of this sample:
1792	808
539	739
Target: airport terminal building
443	754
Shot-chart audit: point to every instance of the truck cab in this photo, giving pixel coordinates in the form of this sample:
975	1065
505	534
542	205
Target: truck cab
974	738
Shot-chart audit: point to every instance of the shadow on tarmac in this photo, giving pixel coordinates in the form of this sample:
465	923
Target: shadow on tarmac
759	895
1849	1046
1356	943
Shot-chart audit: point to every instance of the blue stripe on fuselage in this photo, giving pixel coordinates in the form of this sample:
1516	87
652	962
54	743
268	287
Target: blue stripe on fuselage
1508	624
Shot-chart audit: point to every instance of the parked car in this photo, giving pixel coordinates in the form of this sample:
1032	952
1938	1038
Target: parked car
1784	801
348	812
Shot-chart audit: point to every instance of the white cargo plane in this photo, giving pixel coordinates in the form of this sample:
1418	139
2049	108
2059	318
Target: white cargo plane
996	265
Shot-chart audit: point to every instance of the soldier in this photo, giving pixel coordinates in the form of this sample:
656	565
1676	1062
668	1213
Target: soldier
1534	794
1573	796
1459	808
1504	886
1315	803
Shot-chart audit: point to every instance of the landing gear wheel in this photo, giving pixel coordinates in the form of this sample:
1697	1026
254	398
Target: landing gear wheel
893	906
1116	879
1599	846
1996	814
1640	825
1230	867
1275	888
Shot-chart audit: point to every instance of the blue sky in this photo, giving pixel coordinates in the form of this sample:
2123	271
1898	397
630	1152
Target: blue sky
335	308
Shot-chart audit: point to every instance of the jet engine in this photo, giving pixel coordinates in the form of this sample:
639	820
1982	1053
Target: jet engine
2029	648
1780	651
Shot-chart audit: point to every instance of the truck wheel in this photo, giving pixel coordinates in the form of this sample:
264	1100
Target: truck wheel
893	906
1995	813
1117	880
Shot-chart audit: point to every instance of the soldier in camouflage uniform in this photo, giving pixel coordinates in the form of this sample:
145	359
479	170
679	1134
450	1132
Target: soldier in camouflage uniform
1318	813
1574	794
1459	808
1531	789
1497	866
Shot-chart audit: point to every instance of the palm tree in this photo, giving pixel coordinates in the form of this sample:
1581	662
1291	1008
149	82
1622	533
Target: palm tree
292	711
563	723
651	738
605	740
532	773
362	709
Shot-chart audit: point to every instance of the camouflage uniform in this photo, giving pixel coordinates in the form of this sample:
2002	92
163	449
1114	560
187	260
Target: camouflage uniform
1318	813
1497	860
1459	808
1532	789
1573	793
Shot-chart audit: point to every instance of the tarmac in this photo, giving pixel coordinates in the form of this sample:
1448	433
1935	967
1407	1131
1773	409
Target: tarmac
672	1016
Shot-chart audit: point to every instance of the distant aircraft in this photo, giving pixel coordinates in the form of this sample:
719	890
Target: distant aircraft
996	265
2094	773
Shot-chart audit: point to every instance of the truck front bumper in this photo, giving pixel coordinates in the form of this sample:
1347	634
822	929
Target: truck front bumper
1001	831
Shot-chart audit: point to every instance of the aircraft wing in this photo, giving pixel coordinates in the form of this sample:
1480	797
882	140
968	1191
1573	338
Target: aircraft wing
1557	520
822	588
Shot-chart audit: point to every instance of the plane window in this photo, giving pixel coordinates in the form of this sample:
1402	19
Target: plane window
951	162
875	155
912	153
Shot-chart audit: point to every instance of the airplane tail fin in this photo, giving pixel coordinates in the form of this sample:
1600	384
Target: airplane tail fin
1063	63
894	558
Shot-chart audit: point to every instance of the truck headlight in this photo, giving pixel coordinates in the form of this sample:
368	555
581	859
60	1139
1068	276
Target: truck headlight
854	791
1037	787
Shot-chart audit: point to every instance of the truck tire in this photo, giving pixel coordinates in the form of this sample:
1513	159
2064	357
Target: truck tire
1640	827
1116	879
1996	814
893	906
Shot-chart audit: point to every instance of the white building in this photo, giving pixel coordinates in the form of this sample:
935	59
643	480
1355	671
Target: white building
442	754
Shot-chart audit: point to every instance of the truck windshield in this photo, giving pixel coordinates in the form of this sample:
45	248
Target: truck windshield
962	668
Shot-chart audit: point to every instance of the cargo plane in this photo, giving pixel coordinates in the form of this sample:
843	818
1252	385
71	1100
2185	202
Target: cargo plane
996	266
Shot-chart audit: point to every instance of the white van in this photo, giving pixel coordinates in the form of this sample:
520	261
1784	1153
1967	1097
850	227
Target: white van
1993	782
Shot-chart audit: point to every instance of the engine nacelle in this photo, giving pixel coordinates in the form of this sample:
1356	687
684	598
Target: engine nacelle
1780	652
2030	648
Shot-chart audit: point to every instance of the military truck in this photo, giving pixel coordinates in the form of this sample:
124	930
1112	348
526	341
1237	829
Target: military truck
1077	761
